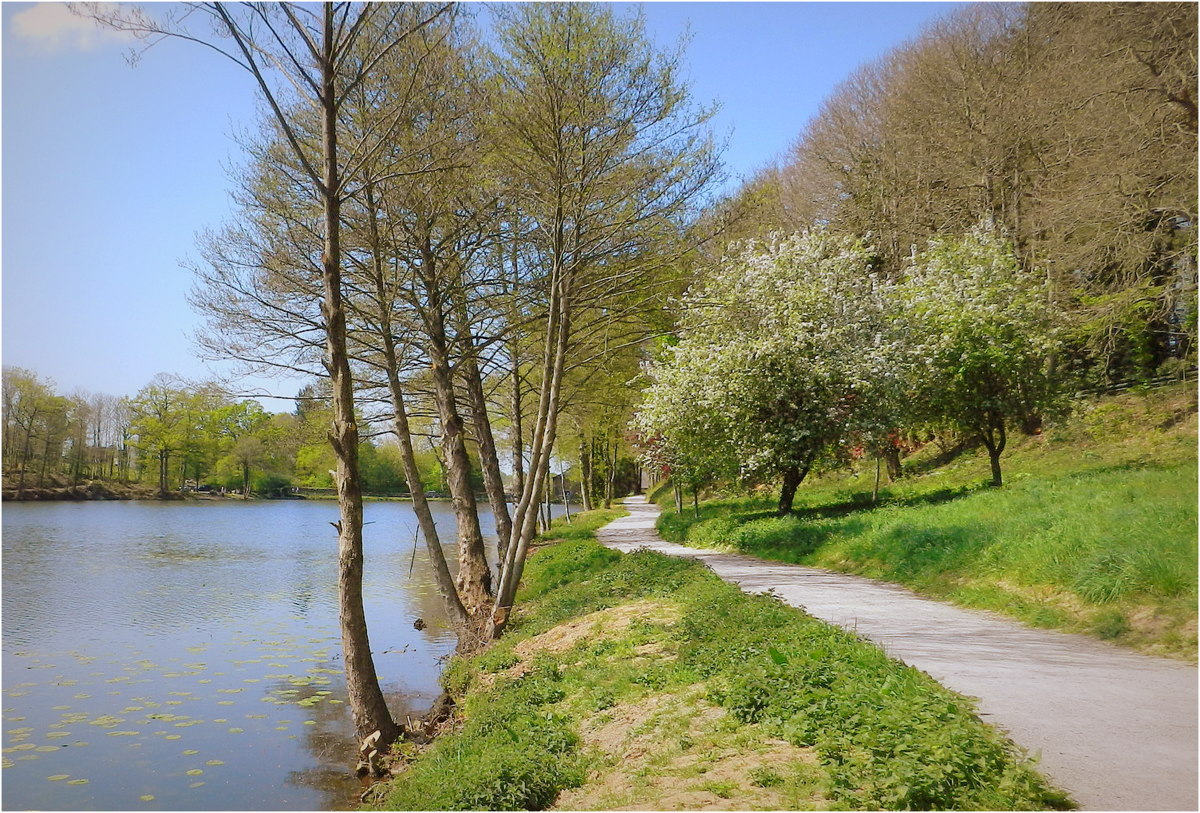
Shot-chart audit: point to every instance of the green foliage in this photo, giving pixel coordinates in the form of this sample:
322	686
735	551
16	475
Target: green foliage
982	332
789	350
1099	528
887	735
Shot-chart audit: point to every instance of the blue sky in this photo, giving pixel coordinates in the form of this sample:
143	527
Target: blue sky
109	172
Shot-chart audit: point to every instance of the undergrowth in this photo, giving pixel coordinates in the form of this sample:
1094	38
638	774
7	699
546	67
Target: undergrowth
655	629
1094	530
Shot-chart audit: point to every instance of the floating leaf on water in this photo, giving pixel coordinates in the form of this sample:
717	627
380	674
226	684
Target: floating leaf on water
174	703
281	728
310	722
214	762
59	708
149	797
107	721
174	736
58	777
78	782
172	674
224	702
251	680
190	751
46	748
28	756
237	731
78	744
129	709
179	694
24	730
53	735
25	746
230	691
205	680
17	694
82	696
6	763
195	772
123	733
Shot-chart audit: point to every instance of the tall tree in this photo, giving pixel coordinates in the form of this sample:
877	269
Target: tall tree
316	58
605	157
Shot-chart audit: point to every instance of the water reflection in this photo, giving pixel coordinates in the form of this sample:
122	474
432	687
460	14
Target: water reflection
186	656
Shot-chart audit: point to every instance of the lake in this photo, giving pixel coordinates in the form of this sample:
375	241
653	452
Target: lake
167	656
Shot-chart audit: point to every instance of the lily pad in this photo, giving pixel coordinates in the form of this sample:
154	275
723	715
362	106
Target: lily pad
190	751
237	730
214	762
149	797
174	736
46	748
195	772
78	782
58	777
196	784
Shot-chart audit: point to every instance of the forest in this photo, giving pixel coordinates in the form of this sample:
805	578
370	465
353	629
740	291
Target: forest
497	244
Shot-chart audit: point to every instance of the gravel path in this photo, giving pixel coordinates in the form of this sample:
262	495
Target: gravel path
1115	729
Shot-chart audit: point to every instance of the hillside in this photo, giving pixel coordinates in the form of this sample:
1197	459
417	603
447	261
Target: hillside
1094	531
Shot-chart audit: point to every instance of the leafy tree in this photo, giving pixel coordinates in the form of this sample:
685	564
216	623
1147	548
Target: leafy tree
982	332
605	159
788	353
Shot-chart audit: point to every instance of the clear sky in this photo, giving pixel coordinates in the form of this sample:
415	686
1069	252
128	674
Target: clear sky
109	172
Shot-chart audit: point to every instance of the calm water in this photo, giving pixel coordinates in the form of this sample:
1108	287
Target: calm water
165	656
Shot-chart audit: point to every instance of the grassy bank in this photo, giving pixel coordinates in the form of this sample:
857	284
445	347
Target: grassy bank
644	681
1094	530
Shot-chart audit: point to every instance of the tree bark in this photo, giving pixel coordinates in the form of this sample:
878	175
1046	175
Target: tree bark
793	476
891	456
400	427
367	703
995	438
585	476
489	458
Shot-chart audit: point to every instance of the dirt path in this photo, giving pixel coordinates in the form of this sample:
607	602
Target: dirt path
1116	729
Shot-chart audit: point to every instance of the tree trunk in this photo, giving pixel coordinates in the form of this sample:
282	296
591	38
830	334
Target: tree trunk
412	474
678	497
566	497
585	475
474	576
245	481
164	456
477	401
891	455
696	502
995	438
403	431
792	478
367	704
545	430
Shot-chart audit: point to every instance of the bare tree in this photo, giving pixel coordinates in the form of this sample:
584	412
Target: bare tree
312	60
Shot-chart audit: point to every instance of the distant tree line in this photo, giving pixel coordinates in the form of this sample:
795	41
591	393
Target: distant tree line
173	436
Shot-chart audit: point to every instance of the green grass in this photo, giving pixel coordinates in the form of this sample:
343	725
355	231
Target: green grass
881	735
1094	530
